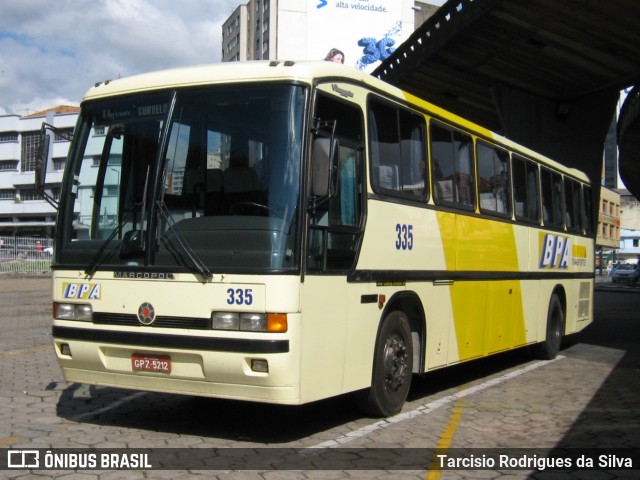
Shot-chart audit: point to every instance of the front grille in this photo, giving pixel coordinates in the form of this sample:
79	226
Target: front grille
128	320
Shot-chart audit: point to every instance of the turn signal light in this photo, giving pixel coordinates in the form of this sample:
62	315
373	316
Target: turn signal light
277	322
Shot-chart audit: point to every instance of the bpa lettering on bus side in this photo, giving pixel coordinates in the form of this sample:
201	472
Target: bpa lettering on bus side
555	251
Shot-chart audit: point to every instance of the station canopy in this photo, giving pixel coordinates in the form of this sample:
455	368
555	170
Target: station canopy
493	60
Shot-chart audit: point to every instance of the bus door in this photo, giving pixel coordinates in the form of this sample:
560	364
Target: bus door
334	231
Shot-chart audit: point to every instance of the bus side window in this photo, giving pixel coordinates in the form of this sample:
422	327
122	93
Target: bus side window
551	198
348	212
572	195
525	189
493	179
397	151
452	167
587	210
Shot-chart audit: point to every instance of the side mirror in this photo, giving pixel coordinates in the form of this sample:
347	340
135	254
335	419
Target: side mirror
42	159
322	165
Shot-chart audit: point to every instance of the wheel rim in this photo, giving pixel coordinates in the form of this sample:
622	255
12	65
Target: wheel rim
395	363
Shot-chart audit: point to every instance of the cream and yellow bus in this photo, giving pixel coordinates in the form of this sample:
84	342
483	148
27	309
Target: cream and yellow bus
284	232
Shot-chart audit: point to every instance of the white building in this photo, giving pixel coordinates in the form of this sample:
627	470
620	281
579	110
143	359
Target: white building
22	211
629	246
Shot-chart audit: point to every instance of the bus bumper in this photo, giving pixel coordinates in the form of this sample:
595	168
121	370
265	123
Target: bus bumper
257	374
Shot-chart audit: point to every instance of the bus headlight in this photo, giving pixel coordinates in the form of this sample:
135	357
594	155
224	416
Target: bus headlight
250	322
72	311
253	322
226	321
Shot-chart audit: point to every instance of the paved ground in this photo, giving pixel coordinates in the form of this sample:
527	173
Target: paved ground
589	397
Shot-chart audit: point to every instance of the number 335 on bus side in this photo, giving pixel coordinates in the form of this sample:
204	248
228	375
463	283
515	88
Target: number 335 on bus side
404	236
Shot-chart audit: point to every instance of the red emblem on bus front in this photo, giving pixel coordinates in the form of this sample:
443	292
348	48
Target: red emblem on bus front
146	314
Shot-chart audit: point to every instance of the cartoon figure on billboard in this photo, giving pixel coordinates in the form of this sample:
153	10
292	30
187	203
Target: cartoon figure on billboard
377	50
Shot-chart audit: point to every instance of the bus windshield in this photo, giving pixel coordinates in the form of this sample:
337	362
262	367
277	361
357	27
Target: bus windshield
203	180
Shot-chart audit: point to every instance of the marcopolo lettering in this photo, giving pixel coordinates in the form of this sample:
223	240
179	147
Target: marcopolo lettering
144	275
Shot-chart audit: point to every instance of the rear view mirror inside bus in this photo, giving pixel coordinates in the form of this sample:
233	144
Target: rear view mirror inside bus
323	161
132	244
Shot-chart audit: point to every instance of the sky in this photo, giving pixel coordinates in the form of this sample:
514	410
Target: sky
52	51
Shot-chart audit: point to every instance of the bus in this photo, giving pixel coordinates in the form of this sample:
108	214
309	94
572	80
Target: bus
285	232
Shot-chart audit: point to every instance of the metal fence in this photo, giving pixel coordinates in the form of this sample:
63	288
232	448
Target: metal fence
25	255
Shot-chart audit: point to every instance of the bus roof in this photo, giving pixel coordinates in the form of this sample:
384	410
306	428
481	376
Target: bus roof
302	71
251	71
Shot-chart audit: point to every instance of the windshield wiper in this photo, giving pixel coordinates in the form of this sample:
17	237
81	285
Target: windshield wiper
196	261
98	258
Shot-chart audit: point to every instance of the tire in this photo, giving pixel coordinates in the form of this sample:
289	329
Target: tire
548	350
392	368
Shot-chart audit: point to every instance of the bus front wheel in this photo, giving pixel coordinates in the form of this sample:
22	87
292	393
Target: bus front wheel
392	368
549	348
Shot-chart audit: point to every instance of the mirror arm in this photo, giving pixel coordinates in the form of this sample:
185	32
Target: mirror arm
315	201
62	133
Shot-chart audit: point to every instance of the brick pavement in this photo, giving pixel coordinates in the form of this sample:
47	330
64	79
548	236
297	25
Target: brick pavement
588	398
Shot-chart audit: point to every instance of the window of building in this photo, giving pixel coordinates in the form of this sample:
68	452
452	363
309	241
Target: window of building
58	163
7	194
63	135
27	194
8	165
9	137
30	149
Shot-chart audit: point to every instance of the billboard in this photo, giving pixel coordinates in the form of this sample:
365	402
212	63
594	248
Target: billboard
365	31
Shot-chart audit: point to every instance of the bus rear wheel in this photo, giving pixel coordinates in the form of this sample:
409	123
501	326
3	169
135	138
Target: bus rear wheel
392	368
549	348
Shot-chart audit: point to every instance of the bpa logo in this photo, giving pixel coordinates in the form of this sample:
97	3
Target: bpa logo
23	459
554	251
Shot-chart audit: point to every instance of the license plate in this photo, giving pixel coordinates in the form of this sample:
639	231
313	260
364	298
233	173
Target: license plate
151	363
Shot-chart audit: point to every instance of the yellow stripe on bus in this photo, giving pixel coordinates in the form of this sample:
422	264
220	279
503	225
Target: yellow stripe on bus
488	316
